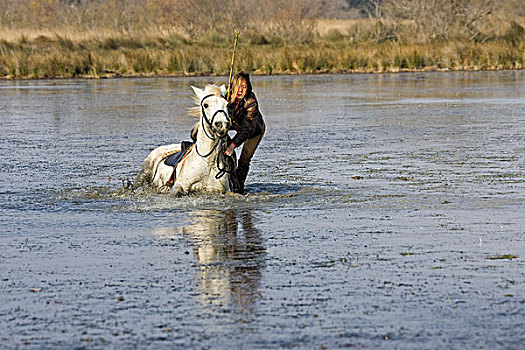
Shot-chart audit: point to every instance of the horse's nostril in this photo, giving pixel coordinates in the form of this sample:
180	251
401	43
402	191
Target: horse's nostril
219	125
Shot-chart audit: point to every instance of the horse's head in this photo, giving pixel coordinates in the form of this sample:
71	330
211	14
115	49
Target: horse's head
213	110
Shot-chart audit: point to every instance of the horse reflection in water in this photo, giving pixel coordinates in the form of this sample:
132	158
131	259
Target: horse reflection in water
231	257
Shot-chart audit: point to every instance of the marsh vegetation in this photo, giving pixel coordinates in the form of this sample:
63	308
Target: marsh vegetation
94	38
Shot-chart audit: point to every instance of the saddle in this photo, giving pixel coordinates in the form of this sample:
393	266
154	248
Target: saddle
175	158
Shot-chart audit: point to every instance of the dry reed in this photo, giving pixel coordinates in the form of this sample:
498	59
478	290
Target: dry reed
116	38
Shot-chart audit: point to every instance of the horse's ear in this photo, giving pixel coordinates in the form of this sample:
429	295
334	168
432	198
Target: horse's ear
223	90
199	92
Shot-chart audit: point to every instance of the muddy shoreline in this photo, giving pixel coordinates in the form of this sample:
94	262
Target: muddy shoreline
262	74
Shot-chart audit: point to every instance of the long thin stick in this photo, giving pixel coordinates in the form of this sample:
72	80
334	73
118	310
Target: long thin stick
231	67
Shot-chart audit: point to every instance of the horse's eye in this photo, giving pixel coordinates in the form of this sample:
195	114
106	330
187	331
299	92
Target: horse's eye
205	105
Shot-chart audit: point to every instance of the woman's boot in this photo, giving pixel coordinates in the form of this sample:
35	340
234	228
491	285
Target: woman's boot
241	173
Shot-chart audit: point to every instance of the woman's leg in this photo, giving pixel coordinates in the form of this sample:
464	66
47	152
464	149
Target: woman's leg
248	149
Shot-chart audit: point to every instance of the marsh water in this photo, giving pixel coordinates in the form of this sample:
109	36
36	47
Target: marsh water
382	211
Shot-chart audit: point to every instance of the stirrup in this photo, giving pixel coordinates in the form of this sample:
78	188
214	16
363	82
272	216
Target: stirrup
171	180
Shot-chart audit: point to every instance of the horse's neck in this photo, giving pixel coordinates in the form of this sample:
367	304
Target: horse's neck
204	143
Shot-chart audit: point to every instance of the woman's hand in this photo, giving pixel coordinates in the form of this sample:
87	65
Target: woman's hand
229	150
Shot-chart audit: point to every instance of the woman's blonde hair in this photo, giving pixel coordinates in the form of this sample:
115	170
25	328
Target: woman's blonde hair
236	82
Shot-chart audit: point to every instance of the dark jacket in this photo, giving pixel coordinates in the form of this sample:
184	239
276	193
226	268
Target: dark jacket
246	118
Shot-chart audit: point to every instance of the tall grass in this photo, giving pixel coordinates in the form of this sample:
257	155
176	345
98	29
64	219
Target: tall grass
46	57
95	38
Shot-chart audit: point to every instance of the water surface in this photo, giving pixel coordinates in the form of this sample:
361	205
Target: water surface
383	211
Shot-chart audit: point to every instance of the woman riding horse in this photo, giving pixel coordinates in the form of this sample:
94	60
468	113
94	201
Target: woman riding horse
247	121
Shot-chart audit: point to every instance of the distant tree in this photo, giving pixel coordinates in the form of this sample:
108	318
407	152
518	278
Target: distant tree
72	2
368	8
442	19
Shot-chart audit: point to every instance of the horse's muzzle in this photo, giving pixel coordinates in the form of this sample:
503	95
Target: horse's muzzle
221	127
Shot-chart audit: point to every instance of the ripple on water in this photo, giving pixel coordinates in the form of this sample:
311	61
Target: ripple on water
382	211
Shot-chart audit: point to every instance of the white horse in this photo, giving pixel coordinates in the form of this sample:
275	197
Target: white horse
204	167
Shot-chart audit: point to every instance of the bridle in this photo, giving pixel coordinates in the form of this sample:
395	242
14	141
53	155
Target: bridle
217	139
210	124
208	121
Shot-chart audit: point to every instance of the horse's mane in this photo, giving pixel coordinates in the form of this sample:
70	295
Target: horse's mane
209	89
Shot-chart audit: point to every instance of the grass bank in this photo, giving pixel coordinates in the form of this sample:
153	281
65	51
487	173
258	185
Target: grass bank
27	54
57	56
108	38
